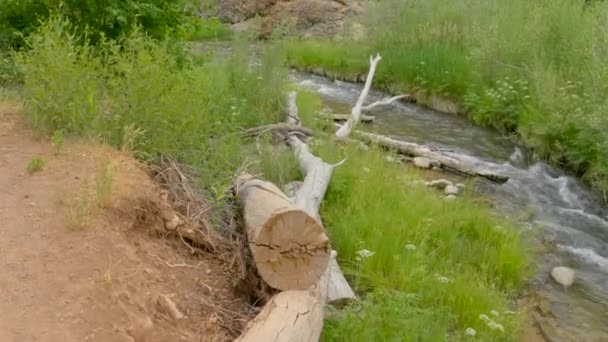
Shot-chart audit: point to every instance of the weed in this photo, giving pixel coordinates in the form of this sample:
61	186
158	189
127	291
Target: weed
58	139
103	183
80	214
36	164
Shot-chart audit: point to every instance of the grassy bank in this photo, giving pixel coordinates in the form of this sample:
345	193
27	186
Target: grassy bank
433	266
534	68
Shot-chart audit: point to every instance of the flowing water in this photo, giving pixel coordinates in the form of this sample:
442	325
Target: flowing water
568	219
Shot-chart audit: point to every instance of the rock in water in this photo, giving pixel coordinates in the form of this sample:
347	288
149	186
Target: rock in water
563	275
423	163
451	190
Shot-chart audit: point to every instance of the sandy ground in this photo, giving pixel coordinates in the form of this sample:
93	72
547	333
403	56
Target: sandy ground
73	269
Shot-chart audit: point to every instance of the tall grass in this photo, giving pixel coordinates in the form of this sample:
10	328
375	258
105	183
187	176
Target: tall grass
535	68
139	93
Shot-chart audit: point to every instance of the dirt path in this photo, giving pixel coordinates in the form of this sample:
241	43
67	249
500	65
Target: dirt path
72	272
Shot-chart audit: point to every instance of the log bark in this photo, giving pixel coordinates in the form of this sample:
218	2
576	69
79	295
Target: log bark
289	246
448	162
290	316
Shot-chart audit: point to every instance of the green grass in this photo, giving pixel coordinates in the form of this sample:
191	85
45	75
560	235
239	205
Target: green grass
36	164
207	29
534	68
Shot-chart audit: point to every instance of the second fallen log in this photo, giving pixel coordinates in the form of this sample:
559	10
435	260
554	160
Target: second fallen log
289	247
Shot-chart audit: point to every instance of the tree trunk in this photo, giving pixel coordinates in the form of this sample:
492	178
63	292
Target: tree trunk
289	246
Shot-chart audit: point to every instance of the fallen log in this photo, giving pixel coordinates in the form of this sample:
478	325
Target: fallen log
445	161
344	117
289	246
298	315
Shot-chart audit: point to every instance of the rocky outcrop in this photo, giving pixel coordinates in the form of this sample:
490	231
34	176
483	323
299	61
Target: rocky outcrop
236	11
306	18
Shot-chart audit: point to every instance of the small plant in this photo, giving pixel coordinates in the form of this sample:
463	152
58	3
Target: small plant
35	165
103	183
80	214
58	139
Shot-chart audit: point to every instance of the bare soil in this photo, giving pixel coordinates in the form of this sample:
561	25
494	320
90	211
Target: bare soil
75	269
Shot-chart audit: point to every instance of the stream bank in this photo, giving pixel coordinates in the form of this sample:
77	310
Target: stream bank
566	218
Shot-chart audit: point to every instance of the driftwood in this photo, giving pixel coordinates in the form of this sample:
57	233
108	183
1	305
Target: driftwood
289	246
445	161
355	116
344	117
297	315
386	101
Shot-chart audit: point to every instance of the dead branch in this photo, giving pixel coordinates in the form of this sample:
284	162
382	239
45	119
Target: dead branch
344	117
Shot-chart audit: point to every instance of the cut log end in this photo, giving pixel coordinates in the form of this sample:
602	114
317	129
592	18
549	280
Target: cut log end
291	251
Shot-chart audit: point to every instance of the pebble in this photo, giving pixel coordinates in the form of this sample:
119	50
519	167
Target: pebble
450	197
563	275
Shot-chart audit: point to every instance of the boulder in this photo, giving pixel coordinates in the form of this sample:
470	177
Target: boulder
422	163
563	275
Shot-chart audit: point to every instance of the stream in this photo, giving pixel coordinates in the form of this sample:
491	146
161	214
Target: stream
569	220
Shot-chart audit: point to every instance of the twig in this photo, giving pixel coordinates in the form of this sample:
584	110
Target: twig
176	265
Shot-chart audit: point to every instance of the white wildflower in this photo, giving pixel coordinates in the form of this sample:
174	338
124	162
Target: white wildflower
496	326
494	313
365	253
484	318
470	332
443	279
410	247
509	312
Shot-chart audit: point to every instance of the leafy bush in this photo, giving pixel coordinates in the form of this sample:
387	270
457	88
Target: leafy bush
110	18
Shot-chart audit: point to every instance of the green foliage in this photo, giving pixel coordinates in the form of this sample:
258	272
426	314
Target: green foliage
109	18
139	94
205	29
36	164
535	68
437	265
